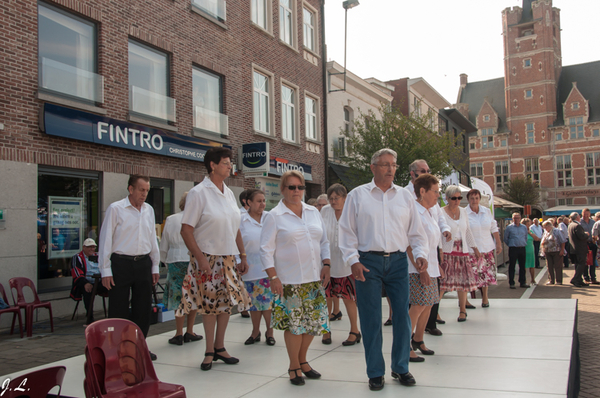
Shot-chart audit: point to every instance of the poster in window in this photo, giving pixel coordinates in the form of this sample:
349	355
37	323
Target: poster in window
64	226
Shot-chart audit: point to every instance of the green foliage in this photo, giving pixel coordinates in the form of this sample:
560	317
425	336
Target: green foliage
410	136
522	191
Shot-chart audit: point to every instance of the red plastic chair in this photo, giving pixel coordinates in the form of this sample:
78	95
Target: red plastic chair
118	363
35	384
16	311
18	284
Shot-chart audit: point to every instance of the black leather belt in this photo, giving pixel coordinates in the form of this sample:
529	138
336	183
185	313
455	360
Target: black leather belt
383	254
131	258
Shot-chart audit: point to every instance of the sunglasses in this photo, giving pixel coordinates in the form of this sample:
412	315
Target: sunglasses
456	198
294	187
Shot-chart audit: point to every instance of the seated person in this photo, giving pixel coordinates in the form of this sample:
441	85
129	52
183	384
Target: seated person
83	266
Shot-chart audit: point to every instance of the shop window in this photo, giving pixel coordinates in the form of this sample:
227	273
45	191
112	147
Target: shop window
592	161
67	58
310	22
261	13
68	213
563	171
288	113
312	117
149	83
208	102
263	102
287	21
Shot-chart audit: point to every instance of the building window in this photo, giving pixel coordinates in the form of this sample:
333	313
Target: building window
529	129
488	140
593	201
502	174
215	8
486	118
464	142
310	21
476	169
527	63
592	161
576	127
261	13
532	169
575	105
208	102
472	146
442	125
311	110
288	113
286	21
339	147
262	102
563	171
596	132
558	136
348	120
529	93
416	106
565	202
149	83
67	59
502	143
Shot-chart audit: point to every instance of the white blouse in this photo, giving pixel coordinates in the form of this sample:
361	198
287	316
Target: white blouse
338	268
251	231
459	228
214	216
483	225
294	246
172	246
432	229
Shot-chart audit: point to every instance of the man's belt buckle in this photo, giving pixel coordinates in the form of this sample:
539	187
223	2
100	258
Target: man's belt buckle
386	254
136	258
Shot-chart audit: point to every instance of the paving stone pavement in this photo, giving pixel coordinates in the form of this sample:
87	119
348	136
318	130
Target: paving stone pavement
68	339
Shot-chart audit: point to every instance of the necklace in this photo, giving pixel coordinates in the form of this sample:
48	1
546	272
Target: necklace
454	216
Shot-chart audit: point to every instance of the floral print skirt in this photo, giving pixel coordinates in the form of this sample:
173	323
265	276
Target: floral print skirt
484	269
302	309
213	293
260	294
458	269
172	294
343	288
421	294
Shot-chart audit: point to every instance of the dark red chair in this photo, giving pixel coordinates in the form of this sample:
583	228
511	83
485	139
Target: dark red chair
118	363
35	384
16	311
19	284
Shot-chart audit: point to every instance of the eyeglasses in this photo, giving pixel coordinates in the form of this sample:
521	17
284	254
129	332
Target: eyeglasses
387	165
424	171
226	164
335	198
456	198
294	187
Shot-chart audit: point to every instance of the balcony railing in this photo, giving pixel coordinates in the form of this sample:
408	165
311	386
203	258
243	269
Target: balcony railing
69	80
216	8
212	121
152	104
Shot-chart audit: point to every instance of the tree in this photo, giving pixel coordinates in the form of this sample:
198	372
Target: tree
410	136
522	191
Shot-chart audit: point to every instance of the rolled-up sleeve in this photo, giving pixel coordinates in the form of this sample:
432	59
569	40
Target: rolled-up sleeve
348	232
416	234
155	252
267	242
325	251
493	224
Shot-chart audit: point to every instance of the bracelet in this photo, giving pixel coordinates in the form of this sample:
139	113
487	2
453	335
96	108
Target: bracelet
326	265
243	254
272	278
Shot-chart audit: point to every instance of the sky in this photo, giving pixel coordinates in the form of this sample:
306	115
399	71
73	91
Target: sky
440	39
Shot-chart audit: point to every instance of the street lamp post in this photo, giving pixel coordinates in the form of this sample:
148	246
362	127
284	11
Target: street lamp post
348	4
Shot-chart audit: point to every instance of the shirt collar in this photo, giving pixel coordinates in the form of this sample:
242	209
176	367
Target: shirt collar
207	182
371	186
282	208
128	203
248	218
420	208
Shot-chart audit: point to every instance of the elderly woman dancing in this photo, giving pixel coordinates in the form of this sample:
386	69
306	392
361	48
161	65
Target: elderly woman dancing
295	254
424	281
553	247
210	230
456	262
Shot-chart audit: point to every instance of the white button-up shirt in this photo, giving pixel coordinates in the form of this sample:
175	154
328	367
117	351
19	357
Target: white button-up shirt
214	216
294	246
251	231
172	247
436	211
460	230
483	225
374	220
128	231
432	229
339	269
537	230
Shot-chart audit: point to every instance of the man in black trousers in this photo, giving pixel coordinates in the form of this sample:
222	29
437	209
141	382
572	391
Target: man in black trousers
579	247
129	255
515	237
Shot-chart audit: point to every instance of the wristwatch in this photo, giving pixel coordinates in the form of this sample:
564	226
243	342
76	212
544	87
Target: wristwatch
272	278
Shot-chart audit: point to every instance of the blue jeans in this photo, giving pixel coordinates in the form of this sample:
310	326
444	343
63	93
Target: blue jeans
392	272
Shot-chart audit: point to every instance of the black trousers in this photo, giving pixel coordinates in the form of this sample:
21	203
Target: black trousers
536	250
580	267
133	277
568	255
592	268
516	254
87	297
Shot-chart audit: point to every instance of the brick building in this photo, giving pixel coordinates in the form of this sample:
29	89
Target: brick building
93	90
542	120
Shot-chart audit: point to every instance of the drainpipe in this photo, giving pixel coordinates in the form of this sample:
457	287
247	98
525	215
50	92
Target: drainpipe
325	93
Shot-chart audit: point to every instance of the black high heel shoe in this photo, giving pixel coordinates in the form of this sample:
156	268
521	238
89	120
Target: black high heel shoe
311	374
416	345
207	366
335	317
252	340
326	340
356	341
298	380
228	361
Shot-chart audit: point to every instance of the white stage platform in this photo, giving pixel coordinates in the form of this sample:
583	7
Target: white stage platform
515	348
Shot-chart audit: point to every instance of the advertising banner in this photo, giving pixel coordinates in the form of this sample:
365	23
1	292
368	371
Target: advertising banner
65	228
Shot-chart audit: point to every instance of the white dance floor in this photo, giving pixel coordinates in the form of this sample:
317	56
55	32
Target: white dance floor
515	348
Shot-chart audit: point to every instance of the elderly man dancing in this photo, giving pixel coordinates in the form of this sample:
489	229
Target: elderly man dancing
378	223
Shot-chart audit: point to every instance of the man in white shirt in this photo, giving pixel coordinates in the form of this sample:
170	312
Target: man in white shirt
538	231
563	226
129	255
415	169
377	225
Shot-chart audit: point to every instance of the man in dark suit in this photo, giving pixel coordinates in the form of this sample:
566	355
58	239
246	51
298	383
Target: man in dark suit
578	239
